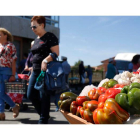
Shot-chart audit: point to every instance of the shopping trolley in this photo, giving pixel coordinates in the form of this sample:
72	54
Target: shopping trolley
16	90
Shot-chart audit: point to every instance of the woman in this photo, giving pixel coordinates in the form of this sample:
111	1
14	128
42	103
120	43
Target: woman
44	44
7	71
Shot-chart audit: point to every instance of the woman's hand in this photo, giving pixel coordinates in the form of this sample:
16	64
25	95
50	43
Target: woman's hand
30	69
44	66
12	78
26	68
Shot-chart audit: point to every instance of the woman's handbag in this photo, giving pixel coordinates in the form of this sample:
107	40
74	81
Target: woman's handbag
54	77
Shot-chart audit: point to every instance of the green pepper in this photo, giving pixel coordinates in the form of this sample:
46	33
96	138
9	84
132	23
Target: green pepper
122	100
134	85
105	85
130	101
124	89
112	83
66	100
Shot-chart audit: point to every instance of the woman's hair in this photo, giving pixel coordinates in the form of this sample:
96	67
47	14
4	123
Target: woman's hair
39	19
6	32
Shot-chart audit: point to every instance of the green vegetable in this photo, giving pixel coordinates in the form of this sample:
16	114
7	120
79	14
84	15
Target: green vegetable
134	85
130	101
124	89
66	99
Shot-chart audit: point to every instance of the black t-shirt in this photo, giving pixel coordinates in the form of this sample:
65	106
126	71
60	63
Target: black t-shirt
41	48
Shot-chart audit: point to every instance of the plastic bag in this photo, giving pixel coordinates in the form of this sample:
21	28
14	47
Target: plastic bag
84	75
86	89
103	81
83	80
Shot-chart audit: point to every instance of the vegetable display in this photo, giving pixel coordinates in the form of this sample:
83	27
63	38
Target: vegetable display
112	102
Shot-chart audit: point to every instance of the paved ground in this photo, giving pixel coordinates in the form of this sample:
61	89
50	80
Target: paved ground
31	117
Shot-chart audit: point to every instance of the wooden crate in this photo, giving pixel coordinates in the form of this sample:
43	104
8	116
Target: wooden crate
73	119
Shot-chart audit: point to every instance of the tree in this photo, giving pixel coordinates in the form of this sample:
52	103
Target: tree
76	65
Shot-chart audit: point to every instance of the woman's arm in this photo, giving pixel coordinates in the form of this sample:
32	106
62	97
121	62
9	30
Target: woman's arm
54	49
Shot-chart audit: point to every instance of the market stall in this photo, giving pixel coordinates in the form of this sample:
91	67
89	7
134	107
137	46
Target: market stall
114	101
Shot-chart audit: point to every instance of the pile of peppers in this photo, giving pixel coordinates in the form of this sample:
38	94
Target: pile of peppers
111	104
129	98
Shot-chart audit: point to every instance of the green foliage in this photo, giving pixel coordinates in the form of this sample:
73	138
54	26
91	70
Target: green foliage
76	65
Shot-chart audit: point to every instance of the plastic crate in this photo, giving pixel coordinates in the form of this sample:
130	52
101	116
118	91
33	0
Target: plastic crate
19	87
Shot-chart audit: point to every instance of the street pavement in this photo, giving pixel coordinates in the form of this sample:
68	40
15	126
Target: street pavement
30	116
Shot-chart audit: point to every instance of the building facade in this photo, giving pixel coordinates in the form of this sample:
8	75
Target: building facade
19	26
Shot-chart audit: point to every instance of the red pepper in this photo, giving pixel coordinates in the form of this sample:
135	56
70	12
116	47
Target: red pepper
110	113
92	105
110	93
102	98
73	107
92	94
82	112
118	86
88	115
78	111
101	90
81	99
136	72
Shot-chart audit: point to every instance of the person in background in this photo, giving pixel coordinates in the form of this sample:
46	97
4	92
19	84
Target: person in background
67	70
136	64
8	59
114	63
89	74
44	49
130	67
28	63
81	71
111	71
66	67
22	64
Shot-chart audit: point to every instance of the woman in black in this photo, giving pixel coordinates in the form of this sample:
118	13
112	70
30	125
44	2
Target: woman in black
44	44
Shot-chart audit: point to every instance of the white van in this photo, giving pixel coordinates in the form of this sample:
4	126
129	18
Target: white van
122	61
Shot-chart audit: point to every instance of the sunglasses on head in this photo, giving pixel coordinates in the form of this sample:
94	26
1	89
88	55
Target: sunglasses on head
34	27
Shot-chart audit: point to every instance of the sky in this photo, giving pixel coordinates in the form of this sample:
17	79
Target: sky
96	38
